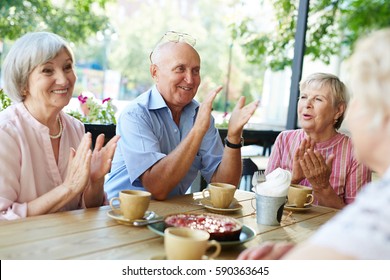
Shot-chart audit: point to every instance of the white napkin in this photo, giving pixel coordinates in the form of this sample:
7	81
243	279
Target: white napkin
276	184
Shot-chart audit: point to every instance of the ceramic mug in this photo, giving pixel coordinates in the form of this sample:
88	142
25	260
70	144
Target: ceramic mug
188	244
299	196
221	194
132	203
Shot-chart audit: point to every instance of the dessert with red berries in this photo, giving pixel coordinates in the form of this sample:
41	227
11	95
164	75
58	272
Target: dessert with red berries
221	228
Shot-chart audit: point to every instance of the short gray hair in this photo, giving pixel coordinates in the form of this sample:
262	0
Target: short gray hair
29	51
336	88
370	74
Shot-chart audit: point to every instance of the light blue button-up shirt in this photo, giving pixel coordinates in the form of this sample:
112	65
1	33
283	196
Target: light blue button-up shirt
149	133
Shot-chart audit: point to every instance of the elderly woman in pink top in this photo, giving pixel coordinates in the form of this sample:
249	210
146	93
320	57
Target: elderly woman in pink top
361	230
318	155
46	163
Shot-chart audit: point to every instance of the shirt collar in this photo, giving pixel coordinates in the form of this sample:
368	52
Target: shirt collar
156	100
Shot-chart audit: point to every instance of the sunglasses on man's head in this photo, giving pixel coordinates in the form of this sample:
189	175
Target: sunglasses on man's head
173	36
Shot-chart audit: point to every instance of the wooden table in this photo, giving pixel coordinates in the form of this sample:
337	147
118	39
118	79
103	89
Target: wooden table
91	234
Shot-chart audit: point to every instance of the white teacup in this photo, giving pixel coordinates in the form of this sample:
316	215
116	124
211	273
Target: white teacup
132	203
188	244
299	196
221	194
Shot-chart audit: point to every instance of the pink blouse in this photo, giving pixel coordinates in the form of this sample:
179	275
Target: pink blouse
28	168
347	177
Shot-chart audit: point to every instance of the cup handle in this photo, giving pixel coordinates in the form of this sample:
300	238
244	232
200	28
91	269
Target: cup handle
213	243
204	193
311	199
112	205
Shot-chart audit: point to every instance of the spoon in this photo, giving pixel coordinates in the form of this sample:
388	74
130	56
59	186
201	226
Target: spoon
151	218
145	222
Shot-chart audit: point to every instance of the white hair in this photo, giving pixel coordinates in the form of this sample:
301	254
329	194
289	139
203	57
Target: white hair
29	51
370	74
336	88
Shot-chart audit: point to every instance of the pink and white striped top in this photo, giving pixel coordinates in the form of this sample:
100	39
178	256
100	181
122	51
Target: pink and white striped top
348	175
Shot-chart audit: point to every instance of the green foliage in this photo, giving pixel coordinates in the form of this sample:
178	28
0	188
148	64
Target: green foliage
75	20
98	113
5	101
333	27
129	54
134	28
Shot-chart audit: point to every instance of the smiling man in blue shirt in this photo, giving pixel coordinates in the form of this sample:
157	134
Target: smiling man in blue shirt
167	136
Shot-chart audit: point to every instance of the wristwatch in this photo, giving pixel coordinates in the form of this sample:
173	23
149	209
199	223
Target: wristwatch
234	146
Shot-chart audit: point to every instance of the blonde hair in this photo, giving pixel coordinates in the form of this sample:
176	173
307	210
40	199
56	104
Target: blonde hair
370	74
336	88
29	51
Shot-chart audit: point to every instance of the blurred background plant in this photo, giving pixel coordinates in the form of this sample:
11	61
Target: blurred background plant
5	101
95	112
223	121
332	29
75	20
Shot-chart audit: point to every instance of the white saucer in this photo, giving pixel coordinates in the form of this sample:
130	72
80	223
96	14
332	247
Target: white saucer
234	206
164	257
117	215
297	209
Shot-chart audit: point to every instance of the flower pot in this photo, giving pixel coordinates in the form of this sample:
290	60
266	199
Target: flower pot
109	131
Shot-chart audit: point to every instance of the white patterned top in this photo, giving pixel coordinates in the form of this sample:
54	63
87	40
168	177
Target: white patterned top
362	229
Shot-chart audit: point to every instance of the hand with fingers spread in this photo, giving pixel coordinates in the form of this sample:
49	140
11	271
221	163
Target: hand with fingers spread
240	116
102	157
101	164
297	173
229	170
77	178
204	113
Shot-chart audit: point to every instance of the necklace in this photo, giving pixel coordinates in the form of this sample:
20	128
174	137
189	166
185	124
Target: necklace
59	133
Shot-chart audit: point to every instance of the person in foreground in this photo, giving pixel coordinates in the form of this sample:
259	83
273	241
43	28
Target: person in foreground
361	230
317	154
167	136
46	160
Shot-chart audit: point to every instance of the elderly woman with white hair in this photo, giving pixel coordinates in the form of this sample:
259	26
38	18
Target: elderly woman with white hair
318	155
362	229
46	160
